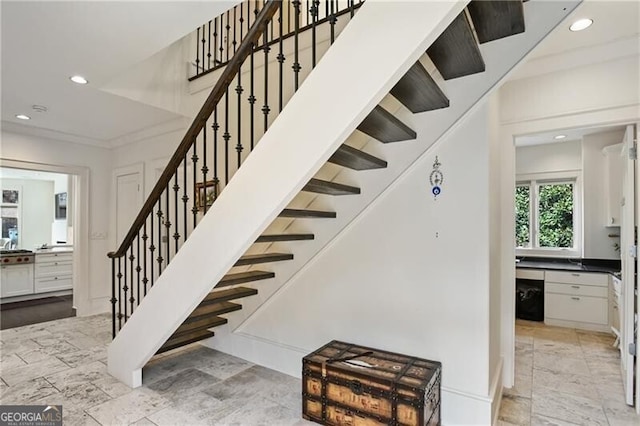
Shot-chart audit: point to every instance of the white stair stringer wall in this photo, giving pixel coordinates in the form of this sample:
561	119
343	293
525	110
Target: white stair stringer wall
251	201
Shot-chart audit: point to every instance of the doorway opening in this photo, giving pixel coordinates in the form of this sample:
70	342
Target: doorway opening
44	242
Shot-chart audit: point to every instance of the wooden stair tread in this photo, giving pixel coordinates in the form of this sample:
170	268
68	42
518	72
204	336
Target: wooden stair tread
418	91
244	277
456	53
302	213
385	127
207	308
186	339
319	186
229	294
203	322
352	158
252	259
270	238
494	20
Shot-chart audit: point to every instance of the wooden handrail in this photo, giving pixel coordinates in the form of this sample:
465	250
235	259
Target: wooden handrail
220	88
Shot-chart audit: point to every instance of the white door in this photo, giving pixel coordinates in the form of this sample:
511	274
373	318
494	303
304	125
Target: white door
128	201
627	255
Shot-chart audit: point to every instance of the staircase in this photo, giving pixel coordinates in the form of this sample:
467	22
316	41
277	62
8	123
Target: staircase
455	53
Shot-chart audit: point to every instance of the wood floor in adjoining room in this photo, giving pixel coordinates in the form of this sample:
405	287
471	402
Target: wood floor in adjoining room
565	377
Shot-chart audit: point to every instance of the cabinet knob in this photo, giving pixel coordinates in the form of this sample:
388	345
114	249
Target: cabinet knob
575	298
55	278
576	275
575	286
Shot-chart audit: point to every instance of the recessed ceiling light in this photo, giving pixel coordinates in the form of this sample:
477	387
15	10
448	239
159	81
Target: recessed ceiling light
23	117
581	24
78	79
559	137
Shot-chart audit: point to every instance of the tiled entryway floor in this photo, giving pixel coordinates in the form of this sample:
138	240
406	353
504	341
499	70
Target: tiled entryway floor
565	377
64	362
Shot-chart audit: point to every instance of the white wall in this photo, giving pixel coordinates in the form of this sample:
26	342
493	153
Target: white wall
411	274
96	290
597	243
547	158
36	210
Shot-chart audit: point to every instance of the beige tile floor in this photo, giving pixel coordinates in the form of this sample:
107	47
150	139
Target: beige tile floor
64	362
565	377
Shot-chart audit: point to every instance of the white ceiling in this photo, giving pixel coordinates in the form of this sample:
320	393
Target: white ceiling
44	42
615	33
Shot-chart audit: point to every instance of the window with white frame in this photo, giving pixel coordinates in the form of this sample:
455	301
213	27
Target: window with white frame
548	219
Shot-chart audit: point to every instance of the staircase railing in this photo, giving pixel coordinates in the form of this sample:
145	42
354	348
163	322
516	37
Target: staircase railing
204	162
217	40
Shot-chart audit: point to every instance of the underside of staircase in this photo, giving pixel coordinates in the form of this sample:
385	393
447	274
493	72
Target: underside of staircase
229	259
455	54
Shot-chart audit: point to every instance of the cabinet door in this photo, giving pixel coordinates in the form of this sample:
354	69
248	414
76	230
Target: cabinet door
576	308
16	280
613	184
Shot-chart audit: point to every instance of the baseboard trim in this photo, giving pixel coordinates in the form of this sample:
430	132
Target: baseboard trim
496	392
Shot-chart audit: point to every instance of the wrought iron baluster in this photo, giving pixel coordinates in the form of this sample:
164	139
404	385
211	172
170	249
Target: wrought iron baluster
265	108
138	268
314	16
194	160
215	43
125	289
235	24
352	8
226	136
113	297
228	28
131	259
296	49
159	259
152	249
176	234
204	169
167	224
222	38
198	52
204	40
281	59
241	22
120	288
209	47
332	22
239	91
185	198
251	98
215	126
145	279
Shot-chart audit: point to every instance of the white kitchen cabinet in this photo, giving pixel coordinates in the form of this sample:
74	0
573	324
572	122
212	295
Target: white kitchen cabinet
577	300
53	272
612	184
16	280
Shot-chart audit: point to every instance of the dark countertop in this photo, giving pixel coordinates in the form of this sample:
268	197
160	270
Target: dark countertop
584	265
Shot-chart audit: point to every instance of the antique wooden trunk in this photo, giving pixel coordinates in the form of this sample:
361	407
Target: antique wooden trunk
346	384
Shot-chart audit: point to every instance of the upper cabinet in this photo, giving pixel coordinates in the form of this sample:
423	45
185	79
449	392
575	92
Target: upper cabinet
612	183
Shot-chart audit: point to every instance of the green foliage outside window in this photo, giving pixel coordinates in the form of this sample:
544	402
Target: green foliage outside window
522	216
555	215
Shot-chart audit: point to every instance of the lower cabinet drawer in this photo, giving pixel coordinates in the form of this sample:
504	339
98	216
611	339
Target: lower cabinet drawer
53	268
576	308
43	285
576	289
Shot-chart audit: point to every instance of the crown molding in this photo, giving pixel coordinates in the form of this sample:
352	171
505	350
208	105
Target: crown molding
52	134
605	52
180	123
